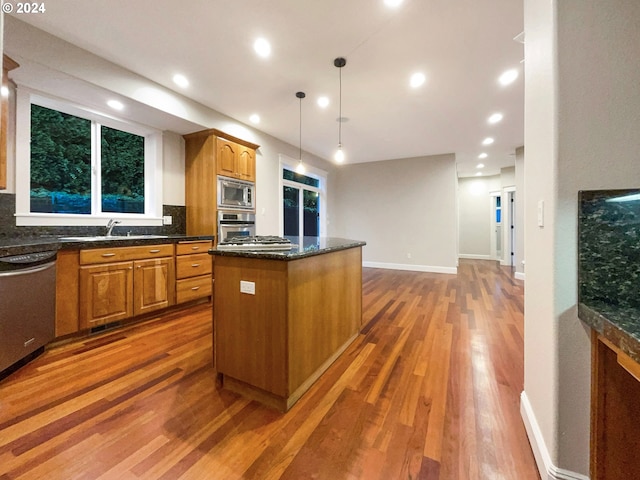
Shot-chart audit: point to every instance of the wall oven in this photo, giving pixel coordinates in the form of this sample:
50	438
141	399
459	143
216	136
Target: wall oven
235	224
235	194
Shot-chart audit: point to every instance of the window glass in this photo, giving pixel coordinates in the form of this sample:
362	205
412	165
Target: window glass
60	162
291	196
300	178
122	162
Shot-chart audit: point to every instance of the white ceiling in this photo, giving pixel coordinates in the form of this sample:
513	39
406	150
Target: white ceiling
461	45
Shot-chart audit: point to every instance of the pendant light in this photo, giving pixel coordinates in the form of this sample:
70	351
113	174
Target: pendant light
300	168
339	155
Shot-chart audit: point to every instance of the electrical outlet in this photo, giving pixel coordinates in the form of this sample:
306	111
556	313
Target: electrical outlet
408	255
247	287
167	220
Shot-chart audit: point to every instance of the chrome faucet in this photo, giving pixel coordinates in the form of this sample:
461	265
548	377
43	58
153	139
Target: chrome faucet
112	223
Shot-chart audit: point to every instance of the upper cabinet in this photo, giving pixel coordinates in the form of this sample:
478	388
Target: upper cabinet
235	160
7	65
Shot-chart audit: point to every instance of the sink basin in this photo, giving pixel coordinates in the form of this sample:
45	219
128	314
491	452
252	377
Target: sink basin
98	238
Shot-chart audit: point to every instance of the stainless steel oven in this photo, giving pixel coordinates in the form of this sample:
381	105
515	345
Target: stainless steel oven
235	224
235	194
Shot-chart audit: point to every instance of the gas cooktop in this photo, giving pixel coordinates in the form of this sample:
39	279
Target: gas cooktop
256	243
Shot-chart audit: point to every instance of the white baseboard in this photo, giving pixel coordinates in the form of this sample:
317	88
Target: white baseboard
547	470
413	268
475	257
519	276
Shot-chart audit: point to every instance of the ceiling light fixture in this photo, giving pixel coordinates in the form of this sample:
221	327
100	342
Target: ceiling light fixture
417	80
495	118
508	77
255	118
4	91
339	155
180	80
487	141
323	102
116	105
480	165
482	155
479	174
300	168
393	3
262	47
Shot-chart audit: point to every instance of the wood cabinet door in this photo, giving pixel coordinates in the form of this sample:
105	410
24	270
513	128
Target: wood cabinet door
106	293
154	284
246	168
226	157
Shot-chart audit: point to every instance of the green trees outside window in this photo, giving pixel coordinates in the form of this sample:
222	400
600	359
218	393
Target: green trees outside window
61	165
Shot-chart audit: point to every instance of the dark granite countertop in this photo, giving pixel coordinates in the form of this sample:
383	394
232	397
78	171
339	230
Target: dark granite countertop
17	246
302	247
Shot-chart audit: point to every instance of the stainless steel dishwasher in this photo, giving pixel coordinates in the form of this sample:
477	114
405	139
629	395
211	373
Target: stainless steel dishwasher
27	307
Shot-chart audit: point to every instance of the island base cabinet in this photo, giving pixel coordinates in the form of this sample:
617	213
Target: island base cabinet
279	325
615	438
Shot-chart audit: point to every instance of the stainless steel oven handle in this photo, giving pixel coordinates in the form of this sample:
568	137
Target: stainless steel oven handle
24	271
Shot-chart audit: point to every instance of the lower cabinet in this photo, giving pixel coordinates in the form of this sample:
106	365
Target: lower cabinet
193	271
112	290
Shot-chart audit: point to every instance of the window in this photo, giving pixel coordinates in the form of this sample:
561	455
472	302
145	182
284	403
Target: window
303	205
83	167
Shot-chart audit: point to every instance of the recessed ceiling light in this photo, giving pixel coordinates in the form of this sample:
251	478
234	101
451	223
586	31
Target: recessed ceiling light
479	174
255	118
180	80
495	118
487	141
323	102
480	165
482	155
262	47
417	79
393	3
115	104
508	77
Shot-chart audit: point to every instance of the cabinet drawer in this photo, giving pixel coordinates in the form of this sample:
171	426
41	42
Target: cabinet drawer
119	254
192	288
193	265
186	248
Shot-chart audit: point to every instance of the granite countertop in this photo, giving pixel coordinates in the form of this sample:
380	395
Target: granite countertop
17	246
621	326
302	247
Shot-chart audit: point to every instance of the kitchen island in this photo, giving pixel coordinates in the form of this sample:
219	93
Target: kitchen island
281	318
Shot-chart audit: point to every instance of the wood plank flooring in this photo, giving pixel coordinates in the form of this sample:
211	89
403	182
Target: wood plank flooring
429	390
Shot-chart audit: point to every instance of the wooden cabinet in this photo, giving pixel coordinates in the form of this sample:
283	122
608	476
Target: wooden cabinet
210	153
118	283
615	402
193	271
235	160
7	65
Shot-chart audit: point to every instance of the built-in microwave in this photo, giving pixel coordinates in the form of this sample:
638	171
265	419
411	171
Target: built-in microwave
235	194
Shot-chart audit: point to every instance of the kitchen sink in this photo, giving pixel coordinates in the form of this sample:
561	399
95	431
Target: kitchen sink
99	238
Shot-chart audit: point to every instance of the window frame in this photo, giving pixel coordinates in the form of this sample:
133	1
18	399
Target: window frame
289	163
152	165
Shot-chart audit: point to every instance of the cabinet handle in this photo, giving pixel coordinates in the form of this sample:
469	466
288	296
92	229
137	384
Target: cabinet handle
155	250
108	254
195	248
195	265
195	288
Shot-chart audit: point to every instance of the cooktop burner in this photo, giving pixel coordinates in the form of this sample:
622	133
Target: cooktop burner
258	242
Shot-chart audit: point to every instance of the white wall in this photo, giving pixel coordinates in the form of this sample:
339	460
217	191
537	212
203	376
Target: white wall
475	213
404	209
582	99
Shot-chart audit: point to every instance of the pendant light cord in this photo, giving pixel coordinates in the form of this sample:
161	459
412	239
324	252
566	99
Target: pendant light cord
300	139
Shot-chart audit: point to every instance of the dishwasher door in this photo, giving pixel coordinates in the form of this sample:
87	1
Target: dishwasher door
27	305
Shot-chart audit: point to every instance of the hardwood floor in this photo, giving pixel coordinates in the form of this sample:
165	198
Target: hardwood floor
429	390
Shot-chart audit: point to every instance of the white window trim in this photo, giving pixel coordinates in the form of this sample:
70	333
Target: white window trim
291	164
153	165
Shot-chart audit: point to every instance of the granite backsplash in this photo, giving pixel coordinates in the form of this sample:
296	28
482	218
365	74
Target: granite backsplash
609	250
9	229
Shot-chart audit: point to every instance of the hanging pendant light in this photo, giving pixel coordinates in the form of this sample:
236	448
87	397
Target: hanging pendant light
339	155
300	168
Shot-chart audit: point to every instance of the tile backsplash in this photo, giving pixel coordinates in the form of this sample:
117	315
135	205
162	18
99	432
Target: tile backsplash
9	229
